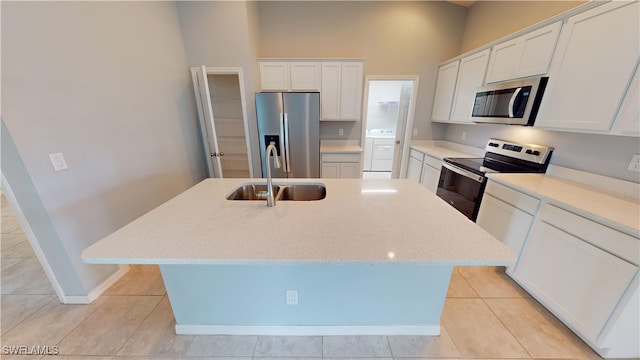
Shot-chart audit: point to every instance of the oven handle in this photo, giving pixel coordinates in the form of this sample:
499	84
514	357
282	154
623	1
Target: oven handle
463	172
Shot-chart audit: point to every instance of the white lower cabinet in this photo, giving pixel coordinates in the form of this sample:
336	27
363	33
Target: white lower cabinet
368	154
424	169
340	166
330	170
414	168
508	215
350	170
430	177
580	283
504	221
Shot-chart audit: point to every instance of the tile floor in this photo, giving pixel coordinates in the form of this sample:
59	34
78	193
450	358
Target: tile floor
486	316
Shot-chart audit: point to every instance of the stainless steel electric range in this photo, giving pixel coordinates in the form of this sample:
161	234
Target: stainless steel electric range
462	180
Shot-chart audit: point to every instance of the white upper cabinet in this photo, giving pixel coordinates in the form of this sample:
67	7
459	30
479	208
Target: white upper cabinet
527	55
290	75
340	83
305	75
596	56
351	90
470	76
627	121
330	92
445	90
341	91
274	75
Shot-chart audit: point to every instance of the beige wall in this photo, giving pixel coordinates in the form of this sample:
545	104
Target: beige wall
490	20
219	34
394	38
107	84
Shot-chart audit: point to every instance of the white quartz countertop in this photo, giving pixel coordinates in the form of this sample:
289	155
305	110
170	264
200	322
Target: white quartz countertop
614	210
375	221
442	149
344	148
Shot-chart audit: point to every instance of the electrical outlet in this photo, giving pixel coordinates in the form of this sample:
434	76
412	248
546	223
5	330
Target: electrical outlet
58	162
464	135
415	132
634	165
292	297
341	132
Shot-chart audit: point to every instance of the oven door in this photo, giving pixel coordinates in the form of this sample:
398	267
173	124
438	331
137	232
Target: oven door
462	189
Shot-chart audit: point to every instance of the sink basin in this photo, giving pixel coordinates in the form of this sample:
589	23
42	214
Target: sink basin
301	192
285	192
251	192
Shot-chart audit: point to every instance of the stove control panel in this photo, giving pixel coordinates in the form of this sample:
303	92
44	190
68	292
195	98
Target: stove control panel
528	152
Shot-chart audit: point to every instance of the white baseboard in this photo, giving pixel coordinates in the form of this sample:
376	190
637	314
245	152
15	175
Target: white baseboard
98	290
431	330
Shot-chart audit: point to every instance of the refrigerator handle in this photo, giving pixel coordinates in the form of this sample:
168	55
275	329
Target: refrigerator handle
282	142
286	143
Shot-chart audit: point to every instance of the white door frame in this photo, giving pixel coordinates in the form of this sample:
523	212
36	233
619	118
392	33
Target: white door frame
201	116
406	143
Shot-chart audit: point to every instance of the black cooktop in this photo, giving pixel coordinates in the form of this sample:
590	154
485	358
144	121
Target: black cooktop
482	166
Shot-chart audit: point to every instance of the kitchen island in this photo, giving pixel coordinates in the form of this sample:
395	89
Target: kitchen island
372	257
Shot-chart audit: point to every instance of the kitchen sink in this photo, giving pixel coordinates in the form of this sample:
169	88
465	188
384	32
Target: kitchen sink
301	192
284	192
251	192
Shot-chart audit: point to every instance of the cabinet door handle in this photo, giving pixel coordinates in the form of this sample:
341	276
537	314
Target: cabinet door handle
513	100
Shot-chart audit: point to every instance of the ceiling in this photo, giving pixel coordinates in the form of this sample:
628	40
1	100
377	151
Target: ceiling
465	3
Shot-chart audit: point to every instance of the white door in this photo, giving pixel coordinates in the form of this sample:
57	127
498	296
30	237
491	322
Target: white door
205	108
401	127
220	101
390	105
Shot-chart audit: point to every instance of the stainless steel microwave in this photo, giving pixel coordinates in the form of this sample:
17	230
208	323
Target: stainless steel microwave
514	102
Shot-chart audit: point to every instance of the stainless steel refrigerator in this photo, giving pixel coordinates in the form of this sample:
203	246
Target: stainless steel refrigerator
291	121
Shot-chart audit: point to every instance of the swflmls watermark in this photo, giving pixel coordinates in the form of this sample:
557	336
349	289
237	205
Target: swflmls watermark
30	350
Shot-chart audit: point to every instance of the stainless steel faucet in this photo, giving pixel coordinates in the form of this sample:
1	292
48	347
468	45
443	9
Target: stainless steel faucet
271	149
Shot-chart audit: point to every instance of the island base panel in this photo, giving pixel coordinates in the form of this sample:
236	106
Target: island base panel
332	299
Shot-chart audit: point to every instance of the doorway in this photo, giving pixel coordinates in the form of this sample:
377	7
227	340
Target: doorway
388	116
223	122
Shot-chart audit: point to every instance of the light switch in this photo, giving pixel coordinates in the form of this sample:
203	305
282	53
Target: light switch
58	162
